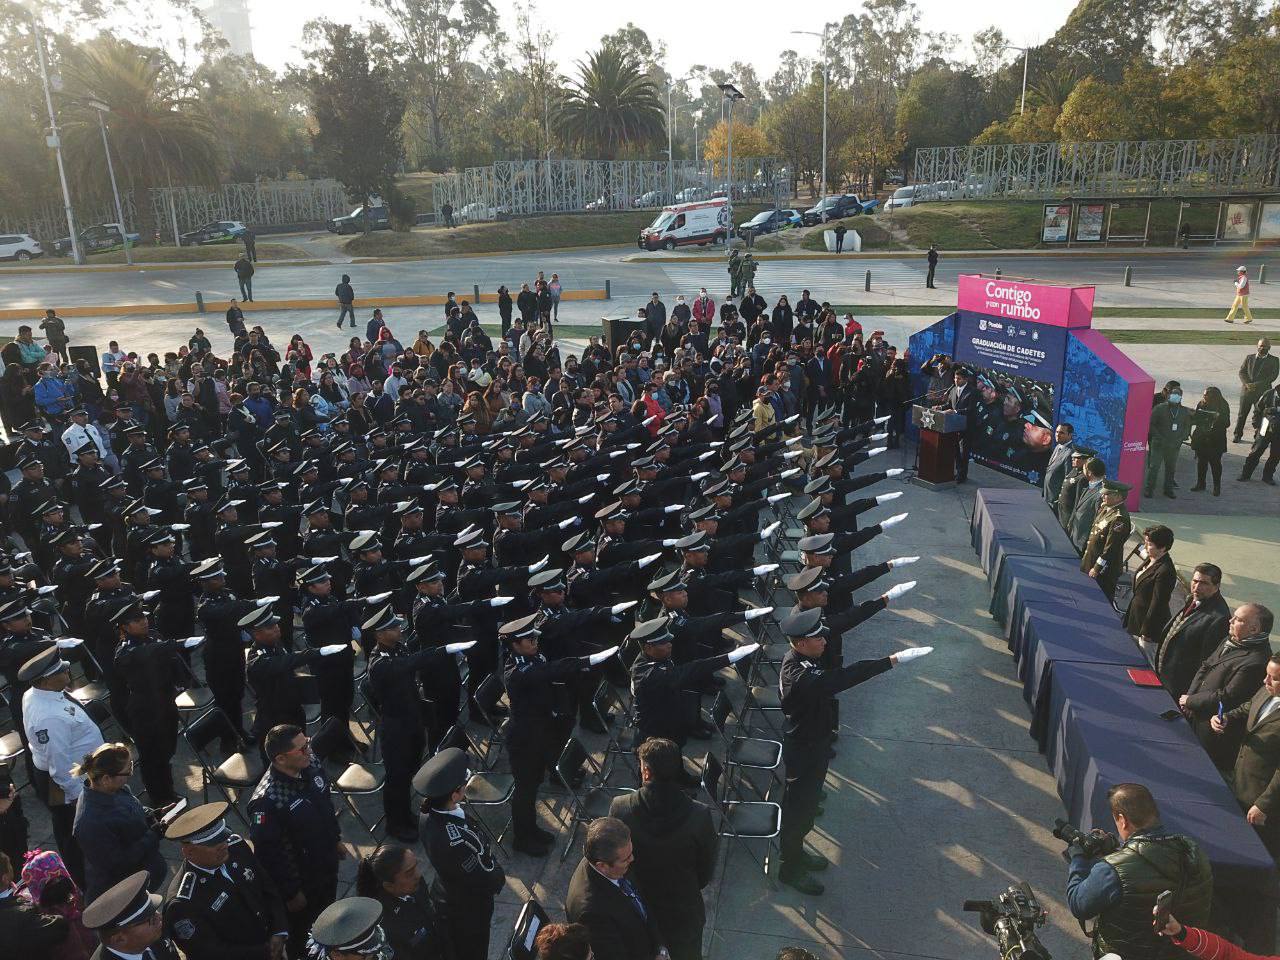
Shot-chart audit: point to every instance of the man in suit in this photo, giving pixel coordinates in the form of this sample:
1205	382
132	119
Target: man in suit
961	398
1256	776
1194	632
1152	587
1226	681
1258	372
1059	463
603	899
817	377
1088	497
675	843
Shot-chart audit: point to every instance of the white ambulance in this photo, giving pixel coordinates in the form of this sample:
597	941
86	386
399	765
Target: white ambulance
683	224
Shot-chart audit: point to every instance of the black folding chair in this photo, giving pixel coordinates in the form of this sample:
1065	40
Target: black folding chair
531	919
591	799
484	788
741	820
623	736
745	753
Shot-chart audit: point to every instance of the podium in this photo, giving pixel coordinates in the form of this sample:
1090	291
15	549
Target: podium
939	432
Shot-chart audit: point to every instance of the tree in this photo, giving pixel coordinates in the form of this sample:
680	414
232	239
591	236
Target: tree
794	131
748	141
610	107
1247	82
1034	126
941	107
1094	111
633	43
990	52
793	74
358	112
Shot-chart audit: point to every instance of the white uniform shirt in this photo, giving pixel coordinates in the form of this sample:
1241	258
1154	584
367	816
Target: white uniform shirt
76	436
60	734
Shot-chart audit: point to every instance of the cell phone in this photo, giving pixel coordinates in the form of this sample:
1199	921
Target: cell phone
174	812
1164	907
1171	714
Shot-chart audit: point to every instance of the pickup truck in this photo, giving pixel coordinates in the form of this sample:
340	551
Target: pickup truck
96	239
837	208
353	222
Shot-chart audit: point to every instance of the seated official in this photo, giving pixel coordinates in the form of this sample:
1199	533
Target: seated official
563	941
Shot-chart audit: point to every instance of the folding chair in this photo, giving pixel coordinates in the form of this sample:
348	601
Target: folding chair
758	697
488	695
11	749
350	780
745	753
589	801
239	773
484	788
623	736
520	945
741	820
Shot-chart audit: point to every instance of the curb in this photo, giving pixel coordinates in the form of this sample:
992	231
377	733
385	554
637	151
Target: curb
491	253
161	265
1109	253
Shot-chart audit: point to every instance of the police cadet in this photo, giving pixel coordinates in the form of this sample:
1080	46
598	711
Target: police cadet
176	606
1104	553
392	875
808	694
393	693
127	920
468	874
109	591
328	620
591	585
536	732
221	904
219	611
19	642
199	516
71	576
31	490
277	578
270	671
294	828
88	483
350	930
373	573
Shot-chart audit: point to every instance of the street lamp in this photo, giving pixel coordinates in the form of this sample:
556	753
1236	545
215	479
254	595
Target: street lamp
101	109
1026	55
729	93
671	157
823	37
53	139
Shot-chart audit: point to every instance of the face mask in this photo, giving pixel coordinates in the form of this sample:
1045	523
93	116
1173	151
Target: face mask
1175	398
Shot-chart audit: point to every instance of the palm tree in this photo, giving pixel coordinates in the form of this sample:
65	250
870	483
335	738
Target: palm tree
613	105
159	136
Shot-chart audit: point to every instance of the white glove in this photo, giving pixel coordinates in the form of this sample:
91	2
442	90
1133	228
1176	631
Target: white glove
792	454
601	477
459	647
267	601
429	487
616	453
793	441
892	521
377	597
707	456
272	524
98	526
149	595
586	499
764	568
886	497
598	658
673	508
648	420
68	643
788	474
777	497
500	601
332	648
346	481
792	419
898	589
714	443
535	567
878	436
770	530
897	562
645	561
756	612
702	475
521	484
192	642
631	446
880	420
623	607
172	526
319	560
413	561
566	524
876	451
894	471
669	543
743	652
911	653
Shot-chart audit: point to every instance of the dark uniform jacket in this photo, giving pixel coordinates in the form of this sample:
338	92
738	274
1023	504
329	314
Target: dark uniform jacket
414	930
1105	547
665	697
809	690
162	949
295	830
22	922
466	869
278	689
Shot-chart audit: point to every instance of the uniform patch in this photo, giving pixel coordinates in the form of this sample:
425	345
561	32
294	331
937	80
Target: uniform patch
219	902
42	736
184	929
259	819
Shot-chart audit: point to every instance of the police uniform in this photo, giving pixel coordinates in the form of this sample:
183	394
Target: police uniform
435	623
218	612
665	694
270	673
125	905
228	912
468	874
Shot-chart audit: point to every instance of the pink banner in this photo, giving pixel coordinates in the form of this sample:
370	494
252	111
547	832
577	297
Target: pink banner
1053	306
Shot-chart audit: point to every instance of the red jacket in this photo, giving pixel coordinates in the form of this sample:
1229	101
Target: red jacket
1210	946
704	311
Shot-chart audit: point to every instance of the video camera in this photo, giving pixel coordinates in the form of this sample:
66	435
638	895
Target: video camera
1012	919
1094	844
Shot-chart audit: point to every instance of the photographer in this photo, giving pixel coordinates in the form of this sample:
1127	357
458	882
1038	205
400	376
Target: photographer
1119	890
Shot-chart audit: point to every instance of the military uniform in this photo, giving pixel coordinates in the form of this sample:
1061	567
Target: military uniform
1104	552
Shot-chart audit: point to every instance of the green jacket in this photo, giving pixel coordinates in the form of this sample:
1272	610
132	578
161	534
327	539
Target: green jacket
1170	425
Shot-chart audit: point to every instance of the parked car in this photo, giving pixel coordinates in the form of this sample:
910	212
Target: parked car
97	239
354	222
220	231
651	199
835	208
690	194
894	178
902	197
19	246
770	221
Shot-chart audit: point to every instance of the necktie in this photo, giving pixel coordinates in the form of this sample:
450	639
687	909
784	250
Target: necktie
625	886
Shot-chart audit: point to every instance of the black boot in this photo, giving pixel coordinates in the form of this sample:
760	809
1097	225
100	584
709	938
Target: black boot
796	877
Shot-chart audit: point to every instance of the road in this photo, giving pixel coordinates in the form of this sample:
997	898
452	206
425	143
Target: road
1173	279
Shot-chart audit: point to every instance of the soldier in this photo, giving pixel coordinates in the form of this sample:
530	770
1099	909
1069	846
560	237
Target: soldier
221	903
808	693
126	920
735	273
468	874
1071	484
1103	558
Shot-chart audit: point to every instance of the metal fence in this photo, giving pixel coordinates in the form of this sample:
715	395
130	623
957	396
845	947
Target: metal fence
265	204
1107	169
517	188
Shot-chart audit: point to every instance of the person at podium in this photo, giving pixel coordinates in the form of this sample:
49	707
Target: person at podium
961	398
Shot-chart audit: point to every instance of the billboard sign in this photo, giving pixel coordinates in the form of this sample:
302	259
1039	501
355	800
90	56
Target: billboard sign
1089	220
1057	221
1237	223
1008	299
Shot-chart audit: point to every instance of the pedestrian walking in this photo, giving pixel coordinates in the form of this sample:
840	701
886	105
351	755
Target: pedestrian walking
933	265
1258	372
1241	302
244	276
250	245
555	288
235	323
55	331
346	300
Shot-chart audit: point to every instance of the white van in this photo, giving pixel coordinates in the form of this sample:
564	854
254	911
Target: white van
683	224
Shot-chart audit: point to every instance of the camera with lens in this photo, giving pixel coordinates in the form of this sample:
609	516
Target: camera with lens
1094	844
1012	919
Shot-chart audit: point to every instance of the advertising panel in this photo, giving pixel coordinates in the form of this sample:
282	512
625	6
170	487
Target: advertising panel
1269	222
1237	224
1057	221
1023	300
1089	219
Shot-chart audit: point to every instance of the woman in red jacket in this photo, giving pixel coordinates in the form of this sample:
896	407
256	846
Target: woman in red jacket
1202	943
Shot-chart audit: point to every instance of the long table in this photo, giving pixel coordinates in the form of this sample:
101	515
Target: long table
1094	725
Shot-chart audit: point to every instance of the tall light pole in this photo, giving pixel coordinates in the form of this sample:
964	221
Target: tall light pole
1026	56
729	93
823	37
671	157
53	139
101	109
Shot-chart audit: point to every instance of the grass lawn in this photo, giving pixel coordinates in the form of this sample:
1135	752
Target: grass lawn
1243	337
213	253
528	233
870	228
419	186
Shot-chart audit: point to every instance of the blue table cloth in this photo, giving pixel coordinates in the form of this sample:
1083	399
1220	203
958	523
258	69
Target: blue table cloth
1015	523
1056	581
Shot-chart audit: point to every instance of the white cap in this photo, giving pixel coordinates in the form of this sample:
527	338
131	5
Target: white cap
1242	269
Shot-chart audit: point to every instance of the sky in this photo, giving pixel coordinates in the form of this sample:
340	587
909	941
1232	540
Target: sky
714	34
